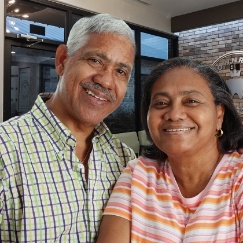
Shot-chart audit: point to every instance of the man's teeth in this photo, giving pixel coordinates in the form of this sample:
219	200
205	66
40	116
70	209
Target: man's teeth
92	94
178	130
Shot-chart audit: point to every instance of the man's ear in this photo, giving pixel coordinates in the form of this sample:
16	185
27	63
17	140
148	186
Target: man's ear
61	56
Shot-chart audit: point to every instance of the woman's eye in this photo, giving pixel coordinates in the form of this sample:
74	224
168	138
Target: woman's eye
159	104
192	102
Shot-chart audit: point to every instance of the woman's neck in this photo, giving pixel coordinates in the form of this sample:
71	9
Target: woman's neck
193	174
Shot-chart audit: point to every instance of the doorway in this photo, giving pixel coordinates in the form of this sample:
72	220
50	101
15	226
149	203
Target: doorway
30	70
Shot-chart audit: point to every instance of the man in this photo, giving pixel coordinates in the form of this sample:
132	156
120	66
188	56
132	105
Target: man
59	162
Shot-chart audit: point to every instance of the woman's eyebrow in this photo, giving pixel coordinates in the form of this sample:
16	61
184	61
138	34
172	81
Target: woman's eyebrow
193	91
186	92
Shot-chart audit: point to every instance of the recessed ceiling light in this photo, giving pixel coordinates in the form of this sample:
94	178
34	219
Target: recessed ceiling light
25	16
143	2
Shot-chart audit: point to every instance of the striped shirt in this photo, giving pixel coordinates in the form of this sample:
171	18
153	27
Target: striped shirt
43	193
147	195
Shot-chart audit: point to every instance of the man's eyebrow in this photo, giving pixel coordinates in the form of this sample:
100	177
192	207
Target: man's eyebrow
123	65
102	56
91	53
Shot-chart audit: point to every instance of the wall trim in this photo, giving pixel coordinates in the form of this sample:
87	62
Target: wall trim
2	31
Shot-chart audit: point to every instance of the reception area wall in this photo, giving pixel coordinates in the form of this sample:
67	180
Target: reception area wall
209	43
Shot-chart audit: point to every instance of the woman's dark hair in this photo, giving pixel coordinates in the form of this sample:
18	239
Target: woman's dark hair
233	133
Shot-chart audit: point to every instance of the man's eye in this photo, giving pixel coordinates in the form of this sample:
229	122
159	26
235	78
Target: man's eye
94	62
121	72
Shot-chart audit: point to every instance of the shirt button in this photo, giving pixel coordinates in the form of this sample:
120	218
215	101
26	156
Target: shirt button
80	166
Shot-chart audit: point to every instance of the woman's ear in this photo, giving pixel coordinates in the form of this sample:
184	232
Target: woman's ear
220	115
61	56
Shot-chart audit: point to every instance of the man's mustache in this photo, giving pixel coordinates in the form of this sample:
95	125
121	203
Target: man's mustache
98	87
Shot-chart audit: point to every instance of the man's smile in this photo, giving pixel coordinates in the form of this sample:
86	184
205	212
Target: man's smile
93	95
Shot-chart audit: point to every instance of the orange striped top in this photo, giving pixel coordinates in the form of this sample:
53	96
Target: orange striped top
147	194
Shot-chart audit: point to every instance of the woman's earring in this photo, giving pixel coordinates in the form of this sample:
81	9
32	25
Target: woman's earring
219	133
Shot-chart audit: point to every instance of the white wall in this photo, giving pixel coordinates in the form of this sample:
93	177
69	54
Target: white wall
128	10
1	57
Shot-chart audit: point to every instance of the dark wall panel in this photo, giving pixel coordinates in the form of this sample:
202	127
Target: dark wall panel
216	15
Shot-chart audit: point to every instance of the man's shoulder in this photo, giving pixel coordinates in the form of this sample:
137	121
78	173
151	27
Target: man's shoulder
114	149
15	122
16	129
123	151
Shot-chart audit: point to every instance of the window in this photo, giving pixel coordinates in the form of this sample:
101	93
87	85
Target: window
31	69
32	72
31	19
154	46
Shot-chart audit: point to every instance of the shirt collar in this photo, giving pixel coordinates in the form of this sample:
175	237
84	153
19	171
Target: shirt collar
60	135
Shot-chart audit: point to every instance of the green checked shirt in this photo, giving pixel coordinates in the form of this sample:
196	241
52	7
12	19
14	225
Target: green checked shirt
43	193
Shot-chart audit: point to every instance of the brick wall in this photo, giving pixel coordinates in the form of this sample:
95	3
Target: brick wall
208	43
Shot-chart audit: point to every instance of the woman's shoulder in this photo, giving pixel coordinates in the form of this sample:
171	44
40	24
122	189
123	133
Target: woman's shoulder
232	161
233	157
146	164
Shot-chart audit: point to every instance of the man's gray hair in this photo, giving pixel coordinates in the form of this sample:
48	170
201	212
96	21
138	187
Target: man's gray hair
99	23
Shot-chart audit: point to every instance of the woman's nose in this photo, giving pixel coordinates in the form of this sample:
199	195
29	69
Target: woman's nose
175	113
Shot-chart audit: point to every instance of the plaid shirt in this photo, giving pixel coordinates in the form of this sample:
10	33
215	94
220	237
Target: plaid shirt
43	193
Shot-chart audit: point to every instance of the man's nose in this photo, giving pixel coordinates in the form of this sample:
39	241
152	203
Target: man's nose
105	77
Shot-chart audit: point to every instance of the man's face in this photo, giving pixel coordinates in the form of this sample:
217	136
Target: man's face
93	81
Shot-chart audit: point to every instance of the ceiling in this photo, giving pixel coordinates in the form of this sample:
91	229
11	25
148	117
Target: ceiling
172	8
167	8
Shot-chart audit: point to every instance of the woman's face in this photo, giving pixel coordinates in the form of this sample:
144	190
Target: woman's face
182	117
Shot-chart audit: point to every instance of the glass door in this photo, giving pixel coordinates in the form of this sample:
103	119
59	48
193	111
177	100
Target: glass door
33	31
28	71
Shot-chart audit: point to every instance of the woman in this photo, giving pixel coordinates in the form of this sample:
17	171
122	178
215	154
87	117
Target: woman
188	187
